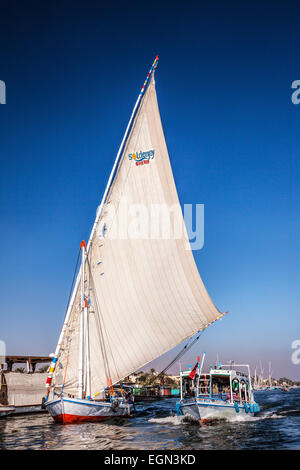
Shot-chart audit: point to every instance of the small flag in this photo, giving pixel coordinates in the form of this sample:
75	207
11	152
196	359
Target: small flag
193	373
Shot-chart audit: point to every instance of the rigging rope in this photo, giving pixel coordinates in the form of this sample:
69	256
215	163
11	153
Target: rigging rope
100	323
181	353
54	360
66	368
73	280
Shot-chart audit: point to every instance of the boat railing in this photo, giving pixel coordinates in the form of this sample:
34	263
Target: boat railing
223	396
214	397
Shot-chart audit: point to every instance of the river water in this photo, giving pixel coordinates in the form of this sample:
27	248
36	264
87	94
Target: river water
156	427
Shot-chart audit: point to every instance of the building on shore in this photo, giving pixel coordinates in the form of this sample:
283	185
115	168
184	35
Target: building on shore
24	387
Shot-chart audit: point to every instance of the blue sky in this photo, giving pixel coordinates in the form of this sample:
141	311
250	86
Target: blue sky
224	78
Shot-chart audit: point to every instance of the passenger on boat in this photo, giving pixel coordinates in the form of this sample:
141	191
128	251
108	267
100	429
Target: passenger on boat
189	391
243	390
129	397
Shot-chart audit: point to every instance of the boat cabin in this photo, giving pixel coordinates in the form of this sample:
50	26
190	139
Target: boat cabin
220	383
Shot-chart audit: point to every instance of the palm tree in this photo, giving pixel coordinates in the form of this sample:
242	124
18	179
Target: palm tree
143	378
169	381
43	369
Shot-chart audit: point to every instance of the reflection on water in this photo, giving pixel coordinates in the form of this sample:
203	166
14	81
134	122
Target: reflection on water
155	426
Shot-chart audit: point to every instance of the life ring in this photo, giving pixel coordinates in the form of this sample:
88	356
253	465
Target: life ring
235	384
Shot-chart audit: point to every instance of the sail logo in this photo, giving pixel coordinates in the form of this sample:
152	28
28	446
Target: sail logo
141	158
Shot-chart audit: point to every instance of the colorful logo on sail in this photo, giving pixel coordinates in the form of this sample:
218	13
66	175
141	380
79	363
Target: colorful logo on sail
141	158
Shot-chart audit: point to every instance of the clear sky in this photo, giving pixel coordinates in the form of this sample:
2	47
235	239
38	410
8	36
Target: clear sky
73	71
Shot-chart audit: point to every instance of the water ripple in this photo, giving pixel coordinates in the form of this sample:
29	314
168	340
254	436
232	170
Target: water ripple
156	427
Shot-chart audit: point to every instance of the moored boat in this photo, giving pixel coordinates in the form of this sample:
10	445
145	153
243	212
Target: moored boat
6	410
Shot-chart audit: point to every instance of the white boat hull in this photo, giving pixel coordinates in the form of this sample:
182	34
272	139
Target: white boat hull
221	410
189	409
75	410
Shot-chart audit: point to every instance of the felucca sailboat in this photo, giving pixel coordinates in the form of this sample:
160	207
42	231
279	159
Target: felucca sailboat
134	298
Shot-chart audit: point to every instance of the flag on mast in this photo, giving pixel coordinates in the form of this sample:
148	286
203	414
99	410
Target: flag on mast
193	372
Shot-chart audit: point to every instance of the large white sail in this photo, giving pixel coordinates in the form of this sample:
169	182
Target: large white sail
146	294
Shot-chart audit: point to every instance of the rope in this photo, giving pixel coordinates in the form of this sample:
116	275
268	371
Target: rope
73	280
181	353
99	318
53	364
65	373
186	348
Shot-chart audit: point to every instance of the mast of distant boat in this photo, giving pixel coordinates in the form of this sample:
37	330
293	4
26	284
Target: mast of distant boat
270	374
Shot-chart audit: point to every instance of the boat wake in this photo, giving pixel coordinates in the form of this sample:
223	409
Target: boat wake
291	412
174	420
248	418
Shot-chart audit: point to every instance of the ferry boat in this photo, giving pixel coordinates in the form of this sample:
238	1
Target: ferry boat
224	392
